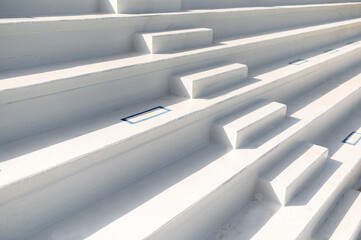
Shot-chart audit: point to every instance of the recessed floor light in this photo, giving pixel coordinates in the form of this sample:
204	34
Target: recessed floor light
146	115
353	139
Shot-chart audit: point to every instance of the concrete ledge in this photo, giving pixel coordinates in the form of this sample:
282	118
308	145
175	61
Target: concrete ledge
202	82
162	42
141	6
239	128
32	8
284	180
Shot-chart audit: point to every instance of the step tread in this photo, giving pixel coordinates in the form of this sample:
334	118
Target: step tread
143	207
284	174
247	160
293	221
287	177
208	80
350	226
239	121
38	155
173	41
101	16
209	72
176	32
13	83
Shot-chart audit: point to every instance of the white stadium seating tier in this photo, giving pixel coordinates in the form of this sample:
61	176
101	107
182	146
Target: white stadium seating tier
180	119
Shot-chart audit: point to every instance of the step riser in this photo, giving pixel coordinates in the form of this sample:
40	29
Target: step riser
306	232
191	4
43	45
24	8
144	6
78	104
210	212
65	113
343	221
257	128
184	87
234	138
173	42
251	171
253	165
283	195
73	186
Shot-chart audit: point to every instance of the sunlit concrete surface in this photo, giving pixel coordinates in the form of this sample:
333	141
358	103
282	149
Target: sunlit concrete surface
180	120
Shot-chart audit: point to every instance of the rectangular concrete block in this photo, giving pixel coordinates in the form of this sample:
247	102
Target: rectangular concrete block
162	42
350	226
239	128
147	6
284	180
206	81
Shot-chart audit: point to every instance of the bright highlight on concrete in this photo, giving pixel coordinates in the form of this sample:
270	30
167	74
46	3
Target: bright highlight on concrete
180	119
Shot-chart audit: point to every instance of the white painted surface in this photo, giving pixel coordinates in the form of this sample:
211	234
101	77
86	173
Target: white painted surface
171	41
344	220
147	6
32	8
162	182
37	41
285	179
206	81
239	128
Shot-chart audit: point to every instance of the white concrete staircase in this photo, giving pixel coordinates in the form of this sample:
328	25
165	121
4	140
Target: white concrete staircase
200	83
239	128
171	41
285	179
160	121
344	222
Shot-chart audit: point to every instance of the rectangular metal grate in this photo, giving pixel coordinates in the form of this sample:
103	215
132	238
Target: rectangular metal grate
146	115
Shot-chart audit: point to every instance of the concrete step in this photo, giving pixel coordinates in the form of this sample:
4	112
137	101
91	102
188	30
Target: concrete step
171	41
300	217
241	127
142	6
206	81
285	179
233	170
93	148
245	222
37	41
344	222
33	8
189	4
164	205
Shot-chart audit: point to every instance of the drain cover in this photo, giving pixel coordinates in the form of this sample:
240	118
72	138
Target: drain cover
353	139
148	114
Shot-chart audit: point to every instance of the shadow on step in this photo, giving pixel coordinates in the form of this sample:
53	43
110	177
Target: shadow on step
315	92
247	222
244	84
314	185
120	59
129	199
271	134
77	130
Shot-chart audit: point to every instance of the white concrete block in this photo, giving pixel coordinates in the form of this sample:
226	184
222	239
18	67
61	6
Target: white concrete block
241	127
285	179
162	42
200	83
143	6
32	8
